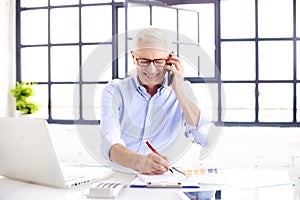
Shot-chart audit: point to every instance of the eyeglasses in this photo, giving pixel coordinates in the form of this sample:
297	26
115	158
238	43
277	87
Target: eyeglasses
143	62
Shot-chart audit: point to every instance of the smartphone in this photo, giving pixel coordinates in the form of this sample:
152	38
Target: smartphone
197	195
170	77
170	74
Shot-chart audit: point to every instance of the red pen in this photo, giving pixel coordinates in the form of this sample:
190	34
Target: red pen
155	151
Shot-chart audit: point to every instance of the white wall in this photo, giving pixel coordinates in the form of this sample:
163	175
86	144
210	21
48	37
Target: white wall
7	56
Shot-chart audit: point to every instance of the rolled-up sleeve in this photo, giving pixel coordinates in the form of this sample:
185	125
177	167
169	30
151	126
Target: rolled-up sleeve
200	133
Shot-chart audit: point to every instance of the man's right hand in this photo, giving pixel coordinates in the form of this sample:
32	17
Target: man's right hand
146	164
152	163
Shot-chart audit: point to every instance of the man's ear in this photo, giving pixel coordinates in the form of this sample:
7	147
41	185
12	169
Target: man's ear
132	54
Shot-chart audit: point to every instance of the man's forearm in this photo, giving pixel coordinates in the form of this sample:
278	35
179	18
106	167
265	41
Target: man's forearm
124	156
190	110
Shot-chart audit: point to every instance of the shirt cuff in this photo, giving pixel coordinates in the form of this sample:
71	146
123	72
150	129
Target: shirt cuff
199	133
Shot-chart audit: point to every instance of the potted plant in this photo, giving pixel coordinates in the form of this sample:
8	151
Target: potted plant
22	92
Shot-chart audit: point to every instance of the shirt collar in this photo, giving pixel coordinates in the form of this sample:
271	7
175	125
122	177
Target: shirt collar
142	90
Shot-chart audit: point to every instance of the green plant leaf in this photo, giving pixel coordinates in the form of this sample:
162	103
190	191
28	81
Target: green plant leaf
21	92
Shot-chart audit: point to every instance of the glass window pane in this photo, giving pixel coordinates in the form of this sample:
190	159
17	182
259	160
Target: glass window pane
239	102
64	25
275	18
121	20
238	19
91	100
275	102
98	64
166	22
96	23
64	102
87	50
190	68
207	98
196	61
190	62
33	3
138	16
34	21
63	2
190	29
206	28
121	65
41	98
65	63
276	60
238	61
34	64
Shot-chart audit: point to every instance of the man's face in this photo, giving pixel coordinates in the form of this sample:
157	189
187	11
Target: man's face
150	75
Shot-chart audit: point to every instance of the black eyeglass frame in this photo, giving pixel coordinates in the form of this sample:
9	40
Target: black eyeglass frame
151	61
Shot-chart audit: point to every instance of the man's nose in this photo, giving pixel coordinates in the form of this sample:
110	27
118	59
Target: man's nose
152	68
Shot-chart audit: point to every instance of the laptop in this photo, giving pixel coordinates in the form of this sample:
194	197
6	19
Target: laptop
27	154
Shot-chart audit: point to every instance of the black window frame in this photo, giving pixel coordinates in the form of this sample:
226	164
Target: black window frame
217	79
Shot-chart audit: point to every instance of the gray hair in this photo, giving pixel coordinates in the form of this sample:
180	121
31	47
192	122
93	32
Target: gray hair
151	38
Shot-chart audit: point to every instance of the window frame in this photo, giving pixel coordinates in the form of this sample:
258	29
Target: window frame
295	122
216	79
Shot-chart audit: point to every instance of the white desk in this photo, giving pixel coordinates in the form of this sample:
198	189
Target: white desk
15	190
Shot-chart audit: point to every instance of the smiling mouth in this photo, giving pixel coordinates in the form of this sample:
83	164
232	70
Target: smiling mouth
150	75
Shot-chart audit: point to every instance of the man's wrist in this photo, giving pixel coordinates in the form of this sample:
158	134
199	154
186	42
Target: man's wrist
137	162
179	89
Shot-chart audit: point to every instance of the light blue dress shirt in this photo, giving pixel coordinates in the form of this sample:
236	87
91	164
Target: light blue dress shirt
130	116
